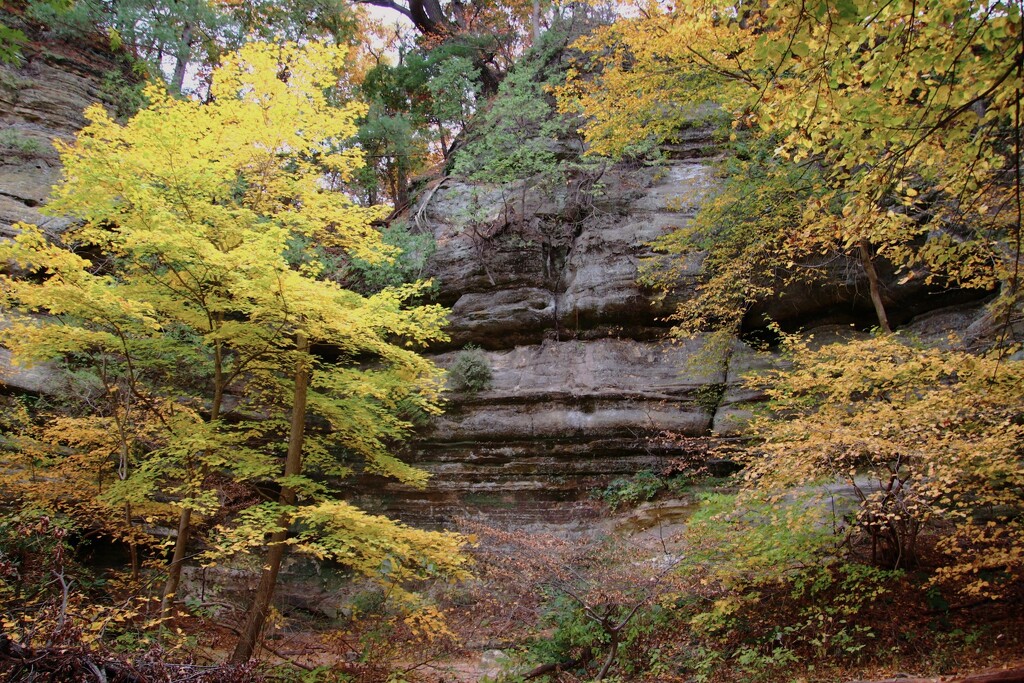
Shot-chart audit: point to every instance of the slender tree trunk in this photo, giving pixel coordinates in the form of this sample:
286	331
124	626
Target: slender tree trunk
610	659
177	560
185	517
133	547
535	18
443	139
401	184
260	607
876	292
181	58
122	474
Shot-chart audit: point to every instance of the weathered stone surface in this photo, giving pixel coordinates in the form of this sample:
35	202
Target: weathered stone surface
306	586
42	99
519	267
839	296
519	314
584	379
38	379
558	419
939	327
738	398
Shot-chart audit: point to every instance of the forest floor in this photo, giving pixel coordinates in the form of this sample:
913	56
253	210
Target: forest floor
500	621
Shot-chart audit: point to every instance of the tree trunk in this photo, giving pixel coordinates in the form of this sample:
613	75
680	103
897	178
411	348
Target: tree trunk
535	18
610	659
260	607
185	518
122	474
133	546
177	560
443	139
181	58
876	292
401	184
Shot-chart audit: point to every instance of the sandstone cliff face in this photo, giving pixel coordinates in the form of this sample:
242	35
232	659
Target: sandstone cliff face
41	100
586	381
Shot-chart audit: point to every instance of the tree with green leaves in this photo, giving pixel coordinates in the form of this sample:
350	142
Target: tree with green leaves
417	107
516	140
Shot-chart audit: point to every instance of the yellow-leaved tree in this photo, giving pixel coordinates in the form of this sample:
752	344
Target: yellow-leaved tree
868	130
925	437
909	110
192	220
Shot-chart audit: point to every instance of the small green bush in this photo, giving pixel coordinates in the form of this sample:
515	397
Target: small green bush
470	372
626	491
11	41
570	634
709	397
14	141
124	94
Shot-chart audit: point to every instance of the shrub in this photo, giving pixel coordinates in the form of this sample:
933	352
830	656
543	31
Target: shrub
15	142
929	439
11	40
470	372
773	591
627	491
572	634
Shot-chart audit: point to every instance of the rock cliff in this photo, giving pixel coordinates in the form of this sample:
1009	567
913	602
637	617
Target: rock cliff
42	99
586	379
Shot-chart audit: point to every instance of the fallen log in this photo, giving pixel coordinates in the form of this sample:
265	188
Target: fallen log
550	668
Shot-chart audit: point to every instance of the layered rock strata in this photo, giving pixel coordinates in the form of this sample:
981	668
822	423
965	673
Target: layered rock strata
585	381
42	99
